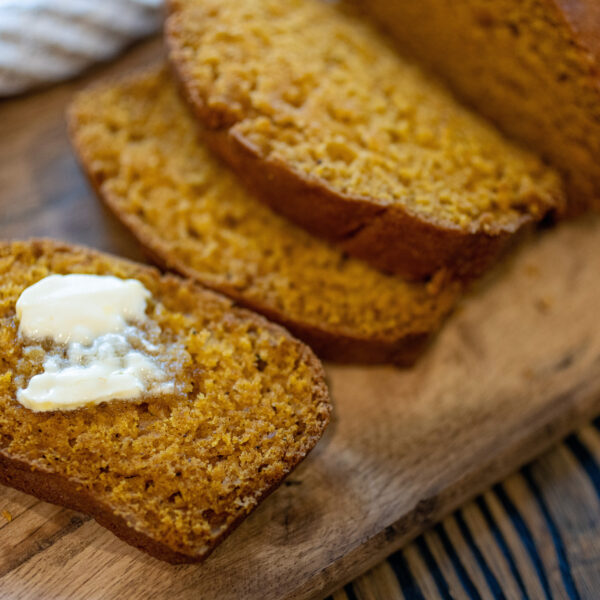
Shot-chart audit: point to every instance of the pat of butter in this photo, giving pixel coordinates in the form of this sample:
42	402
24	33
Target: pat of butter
79	308
90	314
107	370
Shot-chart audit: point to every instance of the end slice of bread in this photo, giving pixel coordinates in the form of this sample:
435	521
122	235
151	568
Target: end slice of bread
174	474
533	66
316	112
144	155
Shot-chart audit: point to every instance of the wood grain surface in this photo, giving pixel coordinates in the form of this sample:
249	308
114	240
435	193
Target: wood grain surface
516	368
536	535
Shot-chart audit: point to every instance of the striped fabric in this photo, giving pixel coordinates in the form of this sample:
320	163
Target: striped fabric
536	535
42	41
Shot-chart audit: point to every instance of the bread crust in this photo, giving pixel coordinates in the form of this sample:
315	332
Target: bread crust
339	345
56	488
389	238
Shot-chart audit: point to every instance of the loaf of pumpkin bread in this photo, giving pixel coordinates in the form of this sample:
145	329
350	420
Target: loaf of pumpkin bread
172	472
142	152
317	112
533	66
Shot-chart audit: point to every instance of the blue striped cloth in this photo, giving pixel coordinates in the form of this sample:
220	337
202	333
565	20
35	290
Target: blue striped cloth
536	535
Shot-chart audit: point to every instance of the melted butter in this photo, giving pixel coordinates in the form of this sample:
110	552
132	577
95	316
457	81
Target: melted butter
89	314
79	308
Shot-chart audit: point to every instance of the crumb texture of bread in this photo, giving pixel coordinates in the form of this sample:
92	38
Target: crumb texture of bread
174	473
533	66
140	147
309	85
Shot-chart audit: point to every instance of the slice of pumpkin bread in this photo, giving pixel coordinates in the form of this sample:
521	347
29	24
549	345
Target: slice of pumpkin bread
316	111
141	150
172	474
533	66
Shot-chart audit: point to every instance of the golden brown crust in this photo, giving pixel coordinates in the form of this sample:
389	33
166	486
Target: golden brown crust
389	237
55	489
33	477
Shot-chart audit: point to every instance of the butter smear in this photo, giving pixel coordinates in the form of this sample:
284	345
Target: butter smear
92	320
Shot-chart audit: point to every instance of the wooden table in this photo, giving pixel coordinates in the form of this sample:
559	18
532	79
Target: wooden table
535	535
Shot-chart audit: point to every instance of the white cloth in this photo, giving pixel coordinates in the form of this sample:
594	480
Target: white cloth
42	41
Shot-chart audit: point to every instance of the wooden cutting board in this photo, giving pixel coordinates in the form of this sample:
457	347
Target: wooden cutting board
516	368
